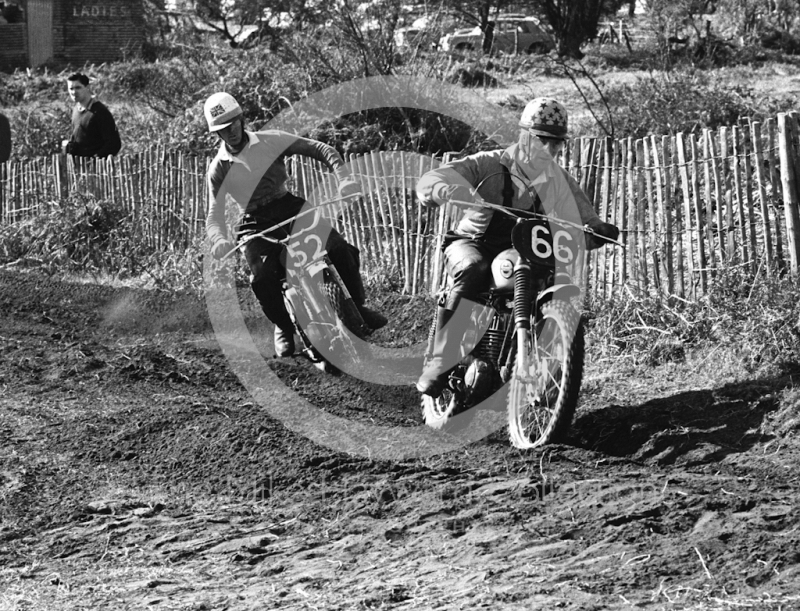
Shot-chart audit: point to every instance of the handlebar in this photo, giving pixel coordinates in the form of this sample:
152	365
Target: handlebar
528	214
264	234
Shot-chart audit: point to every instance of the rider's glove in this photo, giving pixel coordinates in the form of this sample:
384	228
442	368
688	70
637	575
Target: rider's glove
221	248
349	184
349	188
605	232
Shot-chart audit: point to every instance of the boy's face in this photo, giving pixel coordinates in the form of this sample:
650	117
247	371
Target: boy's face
233	134
79	93
554	147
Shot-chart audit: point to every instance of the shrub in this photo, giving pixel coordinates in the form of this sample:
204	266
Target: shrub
76	234
38	128
409	129
681	101
781	40
741	310
84	236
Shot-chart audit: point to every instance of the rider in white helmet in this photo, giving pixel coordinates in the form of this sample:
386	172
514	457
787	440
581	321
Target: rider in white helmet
249	167
523	176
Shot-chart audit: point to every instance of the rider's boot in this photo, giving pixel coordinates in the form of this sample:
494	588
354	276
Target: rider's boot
444	355
284	341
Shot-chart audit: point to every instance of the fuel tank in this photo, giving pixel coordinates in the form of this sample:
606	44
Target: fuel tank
503	270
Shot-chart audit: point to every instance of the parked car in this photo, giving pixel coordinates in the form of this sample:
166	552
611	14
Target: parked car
408	36
512	34
424	31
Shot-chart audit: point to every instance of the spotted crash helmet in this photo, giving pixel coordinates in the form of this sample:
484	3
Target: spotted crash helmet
545	117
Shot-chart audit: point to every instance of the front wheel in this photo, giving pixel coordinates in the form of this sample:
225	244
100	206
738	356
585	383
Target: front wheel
347	318
345	309
544	387
537	48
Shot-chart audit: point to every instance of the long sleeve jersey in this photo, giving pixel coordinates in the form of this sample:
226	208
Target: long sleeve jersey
558	192
256	176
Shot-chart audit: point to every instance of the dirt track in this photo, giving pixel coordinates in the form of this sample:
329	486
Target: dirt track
136	472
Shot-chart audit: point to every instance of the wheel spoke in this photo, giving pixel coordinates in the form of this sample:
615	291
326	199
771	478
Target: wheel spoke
542	396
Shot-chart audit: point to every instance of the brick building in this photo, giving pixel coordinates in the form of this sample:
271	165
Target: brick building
61	32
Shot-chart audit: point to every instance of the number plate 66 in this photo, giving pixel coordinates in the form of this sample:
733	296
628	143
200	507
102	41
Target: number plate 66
543	243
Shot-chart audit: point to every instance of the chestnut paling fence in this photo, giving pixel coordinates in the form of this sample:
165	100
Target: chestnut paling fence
688	205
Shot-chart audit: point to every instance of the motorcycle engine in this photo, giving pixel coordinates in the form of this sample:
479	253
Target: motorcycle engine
478	382
480	378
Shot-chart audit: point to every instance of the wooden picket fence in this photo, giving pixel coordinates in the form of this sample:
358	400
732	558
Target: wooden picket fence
688	205
393	232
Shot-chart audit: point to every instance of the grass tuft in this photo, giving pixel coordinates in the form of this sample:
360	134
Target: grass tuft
749	320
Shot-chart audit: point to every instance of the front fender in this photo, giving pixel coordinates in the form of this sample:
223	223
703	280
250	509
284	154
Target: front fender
564	292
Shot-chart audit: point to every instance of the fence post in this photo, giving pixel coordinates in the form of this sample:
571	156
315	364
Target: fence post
679	224
739	194
710	199
774	179
748	178
758	153
685	237
652	238
62	185
730	235
662	193
789	186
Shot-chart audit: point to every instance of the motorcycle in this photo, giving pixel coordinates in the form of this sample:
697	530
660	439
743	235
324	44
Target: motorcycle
322	311
531	354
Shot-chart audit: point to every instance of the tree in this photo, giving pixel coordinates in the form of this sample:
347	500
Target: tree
748	18
680	22
480	13
231	18
368	29
575	22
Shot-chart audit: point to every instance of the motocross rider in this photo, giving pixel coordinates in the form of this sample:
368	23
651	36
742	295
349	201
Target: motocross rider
249	167
523	176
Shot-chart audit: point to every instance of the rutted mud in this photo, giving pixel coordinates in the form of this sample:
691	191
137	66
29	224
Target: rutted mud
135	472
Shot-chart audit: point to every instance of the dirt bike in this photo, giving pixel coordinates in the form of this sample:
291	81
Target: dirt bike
323	312
533	340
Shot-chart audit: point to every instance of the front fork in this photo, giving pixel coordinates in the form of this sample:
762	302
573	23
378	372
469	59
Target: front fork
523	308
304	299
528	299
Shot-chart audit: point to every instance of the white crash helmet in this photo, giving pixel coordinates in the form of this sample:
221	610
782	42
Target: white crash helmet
545	117
221	109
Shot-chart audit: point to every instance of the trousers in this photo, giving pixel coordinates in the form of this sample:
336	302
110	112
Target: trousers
469	264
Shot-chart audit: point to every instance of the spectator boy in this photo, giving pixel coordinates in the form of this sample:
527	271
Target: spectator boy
94	132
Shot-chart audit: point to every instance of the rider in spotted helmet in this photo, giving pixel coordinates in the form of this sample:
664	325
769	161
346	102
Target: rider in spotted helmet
523	176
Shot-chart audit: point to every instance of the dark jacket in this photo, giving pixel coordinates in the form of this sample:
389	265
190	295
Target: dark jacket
5	138
94	132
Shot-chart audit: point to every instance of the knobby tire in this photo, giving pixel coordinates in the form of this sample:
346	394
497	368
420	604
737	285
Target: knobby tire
541	411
